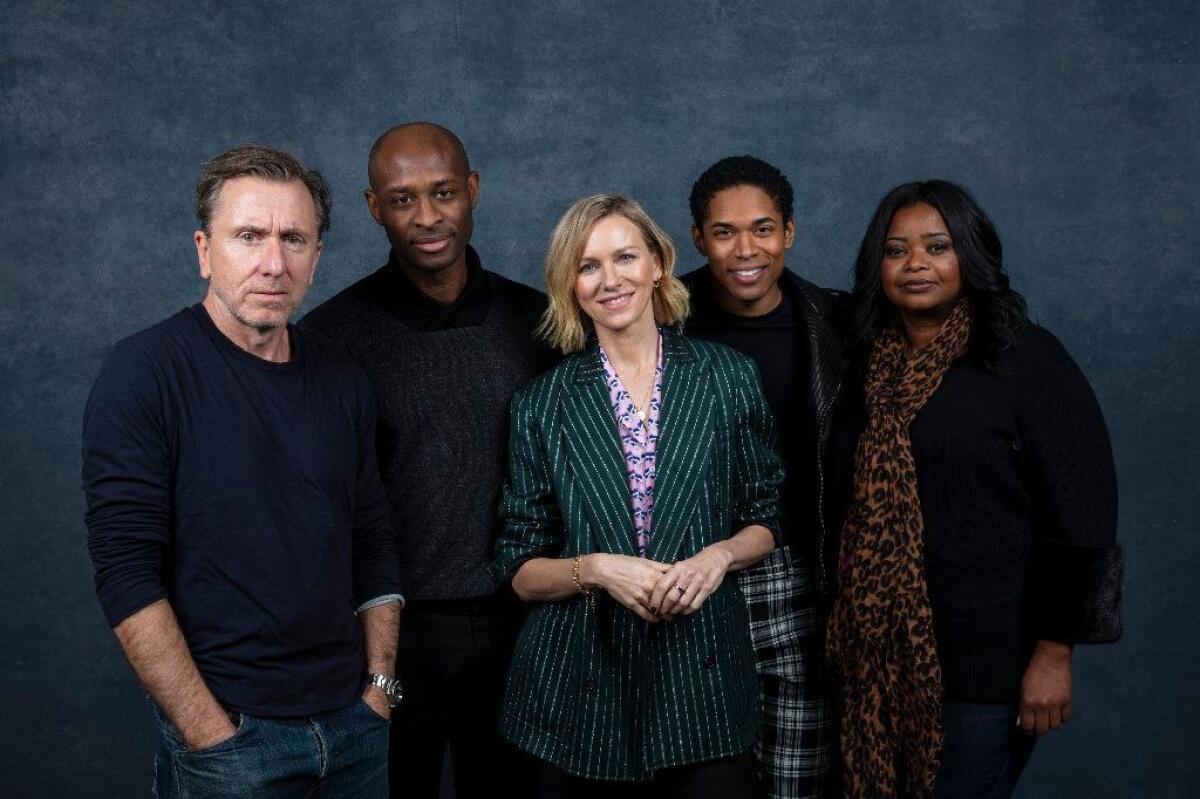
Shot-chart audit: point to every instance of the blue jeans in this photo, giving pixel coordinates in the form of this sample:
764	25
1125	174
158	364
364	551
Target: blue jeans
342	753
984	752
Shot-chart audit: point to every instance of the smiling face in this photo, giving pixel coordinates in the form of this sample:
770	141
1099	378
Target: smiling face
745	239
259	255
919	270
422	193
614	284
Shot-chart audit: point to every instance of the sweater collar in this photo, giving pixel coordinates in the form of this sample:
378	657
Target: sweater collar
419	311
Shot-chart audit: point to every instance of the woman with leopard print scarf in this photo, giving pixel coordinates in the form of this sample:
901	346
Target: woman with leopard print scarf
979	543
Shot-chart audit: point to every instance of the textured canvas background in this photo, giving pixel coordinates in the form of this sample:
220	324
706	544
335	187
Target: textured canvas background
1075	124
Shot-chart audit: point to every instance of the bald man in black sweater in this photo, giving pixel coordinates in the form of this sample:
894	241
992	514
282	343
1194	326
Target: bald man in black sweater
445	344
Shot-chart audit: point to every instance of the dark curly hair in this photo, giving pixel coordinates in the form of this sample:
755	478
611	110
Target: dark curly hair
740	170
1000	312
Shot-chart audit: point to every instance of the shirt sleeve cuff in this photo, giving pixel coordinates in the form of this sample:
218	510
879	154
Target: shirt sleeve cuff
771	523
379	600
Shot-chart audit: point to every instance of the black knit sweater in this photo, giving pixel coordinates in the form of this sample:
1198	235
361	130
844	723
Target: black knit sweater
443	376
1019	497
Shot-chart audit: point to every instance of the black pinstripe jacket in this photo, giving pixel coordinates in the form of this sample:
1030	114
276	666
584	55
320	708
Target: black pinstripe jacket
595	690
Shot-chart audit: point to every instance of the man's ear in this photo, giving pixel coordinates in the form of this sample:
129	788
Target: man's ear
373	206
789	234
698	240
201	240
316	259
473	188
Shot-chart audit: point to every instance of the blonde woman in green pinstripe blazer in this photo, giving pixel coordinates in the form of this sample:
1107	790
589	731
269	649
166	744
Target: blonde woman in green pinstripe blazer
643	472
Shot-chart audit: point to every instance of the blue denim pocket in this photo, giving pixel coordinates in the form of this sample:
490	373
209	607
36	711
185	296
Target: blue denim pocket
221	770
370	711
172	736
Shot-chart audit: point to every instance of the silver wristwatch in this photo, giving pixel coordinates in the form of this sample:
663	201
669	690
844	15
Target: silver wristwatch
390	686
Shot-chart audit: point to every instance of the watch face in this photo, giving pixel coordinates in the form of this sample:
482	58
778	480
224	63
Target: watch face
391	687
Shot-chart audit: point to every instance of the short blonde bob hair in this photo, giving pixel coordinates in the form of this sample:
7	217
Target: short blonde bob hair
564	324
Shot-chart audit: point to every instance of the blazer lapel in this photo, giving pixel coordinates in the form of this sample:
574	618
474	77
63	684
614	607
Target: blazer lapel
685	442
597	463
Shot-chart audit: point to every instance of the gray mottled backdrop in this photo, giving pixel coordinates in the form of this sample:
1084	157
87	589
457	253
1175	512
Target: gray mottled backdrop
1075	123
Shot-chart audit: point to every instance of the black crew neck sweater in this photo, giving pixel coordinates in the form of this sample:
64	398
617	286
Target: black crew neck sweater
246	493
775	342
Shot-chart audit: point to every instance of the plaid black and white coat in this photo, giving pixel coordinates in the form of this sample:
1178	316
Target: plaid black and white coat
594	690
788	592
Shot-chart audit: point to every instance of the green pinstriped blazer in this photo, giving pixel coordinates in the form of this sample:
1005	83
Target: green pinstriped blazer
596	691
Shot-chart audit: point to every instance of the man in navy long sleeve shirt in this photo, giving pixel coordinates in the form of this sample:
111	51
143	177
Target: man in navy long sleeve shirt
240	534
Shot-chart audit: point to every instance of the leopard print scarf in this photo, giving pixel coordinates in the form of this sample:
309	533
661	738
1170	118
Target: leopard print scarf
880	632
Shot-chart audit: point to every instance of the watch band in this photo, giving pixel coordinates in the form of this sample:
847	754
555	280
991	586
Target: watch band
390	686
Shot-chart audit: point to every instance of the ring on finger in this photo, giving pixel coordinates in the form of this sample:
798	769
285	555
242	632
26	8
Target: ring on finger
680	589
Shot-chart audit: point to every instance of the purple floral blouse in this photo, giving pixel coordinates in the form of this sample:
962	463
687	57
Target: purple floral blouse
639	440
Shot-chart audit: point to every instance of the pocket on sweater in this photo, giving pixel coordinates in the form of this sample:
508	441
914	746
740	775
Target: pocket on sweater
781	617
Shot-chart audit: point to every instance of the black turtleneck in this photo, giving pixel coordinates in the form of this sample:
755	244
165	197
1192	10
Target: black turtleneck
418	311
443	375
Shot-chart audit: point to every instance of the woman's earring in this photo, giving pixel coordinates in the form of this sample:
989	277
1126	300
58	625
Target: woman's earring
656	283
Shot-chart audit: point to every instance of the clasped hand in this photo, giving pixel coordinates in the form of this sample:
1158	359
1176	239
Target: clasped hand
658	591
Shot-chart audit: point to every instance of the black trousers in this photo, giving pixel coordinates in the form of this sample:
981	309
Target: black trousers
728	778
453	658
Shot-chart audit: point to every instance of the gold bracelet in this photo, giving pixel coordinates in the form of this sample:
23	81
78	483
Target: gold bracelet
575	578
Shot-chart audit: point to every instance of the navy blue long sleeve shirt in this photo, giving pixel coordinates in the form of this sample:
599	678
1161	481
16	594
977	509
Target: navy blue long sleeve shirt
246	492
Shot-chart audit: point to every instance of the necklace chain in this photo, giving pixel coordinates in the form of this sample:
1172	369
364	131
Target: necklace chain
641	406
